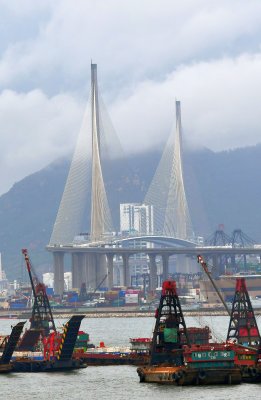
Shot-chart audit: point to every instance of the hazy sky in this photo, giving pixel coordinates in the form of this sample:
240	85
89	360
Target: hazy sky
205	53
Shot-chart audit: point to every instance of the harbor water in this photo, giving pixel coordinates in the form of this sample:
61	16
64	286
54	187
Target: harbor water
116	382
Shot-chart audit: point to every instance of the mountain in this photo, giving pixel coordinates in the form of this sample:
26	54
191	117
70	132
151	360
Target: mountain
229	190
222	188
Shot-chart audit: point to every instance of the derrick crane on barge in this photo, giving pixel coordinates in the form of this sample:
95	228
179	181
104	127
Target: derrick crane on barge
58	351
41	321
242	325
42	317
166	342
243	330
166	364
244	333
176	360
58	347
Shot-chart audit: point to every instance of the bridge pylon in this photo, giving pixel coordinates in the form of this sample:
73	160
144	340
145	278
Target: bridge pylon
101	221
167	189
84	190
85	180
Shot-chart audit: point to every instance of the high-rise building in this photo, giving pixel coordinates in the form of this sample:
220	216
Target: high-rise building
136	218
48	280
1	272
3	281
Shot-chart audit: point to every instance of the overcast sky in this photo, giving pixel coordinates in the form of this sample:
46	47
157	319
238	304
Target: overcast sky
205	53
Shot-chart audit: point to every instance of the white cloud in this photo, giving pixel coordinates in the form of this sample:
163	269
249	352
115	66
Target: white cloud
34	131
206	54
129	42
219	100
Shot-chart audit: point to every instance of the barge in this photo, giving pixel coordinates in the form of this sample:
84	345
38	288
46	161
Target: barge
178	362
137	353
58	352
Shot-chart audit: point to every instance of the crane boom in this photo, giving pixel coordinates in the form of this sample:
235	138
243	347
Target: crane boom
100	283
42	317
203	264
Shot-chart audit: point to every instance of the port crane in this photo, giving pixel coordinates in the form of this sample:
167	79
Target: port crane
88	296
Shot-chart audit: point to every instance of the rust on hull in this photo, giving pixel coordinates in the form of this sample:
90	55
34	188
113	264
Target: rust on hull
4	368
182	376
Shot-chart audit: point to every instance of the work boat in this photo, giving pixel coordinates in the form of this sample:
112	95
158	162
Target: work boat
243	330
175	361
57	349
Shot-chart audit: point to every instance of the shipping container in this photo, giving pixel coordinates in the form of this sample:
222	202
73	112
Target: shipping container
15	306
131	298
133	291
49	291
118	303
73	299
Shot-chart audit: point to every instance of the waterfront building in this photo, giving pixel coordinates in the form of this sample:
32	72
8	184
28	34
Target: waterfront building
48	280
136	218
3	280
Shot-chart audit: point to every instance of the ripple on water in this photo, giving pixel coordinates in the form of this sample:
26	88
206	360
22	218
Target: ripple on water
115	382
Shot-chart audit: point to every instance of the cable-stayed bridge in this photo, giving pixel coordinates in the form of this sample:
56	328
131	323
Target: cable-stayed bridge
166	192
85	189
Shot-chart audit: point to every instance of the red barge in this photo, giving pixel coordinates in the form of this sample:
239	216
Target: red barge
178	361
57	347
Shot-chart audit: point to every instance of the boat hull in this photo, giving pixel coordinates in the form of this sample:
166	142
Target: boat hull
251	374
182	376
113	359
5	368
46	366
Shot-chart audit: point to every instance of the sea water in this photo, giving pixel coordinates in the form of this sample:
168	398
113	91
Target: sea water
116	382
